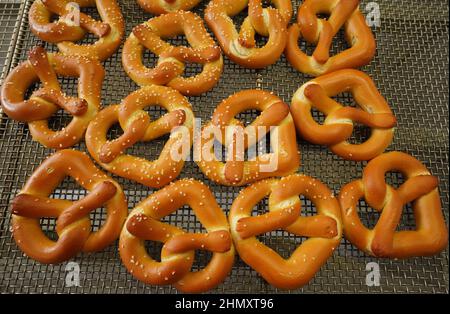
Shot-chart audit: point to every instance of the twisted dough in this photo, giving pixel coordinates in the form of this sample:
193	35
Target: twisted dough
321	32
72	217
241	46
172	59
44	102
177	255
324	230
65	32
338	125
235	171
431	235
137	126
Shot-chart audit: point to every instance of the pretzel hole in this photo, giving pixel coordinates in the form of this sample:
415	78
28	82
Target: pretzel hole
338	44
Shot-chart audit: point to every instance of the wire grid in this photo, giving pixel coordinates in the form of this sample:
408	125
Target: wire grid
411	71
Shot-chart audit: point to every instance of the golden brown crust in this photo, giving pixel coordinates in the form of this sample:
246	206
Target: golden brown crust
150	35
177	255
241	46
235	171
137	127
110	30
44	102
431	234
337	128
321	32
324	229
72	218
158	7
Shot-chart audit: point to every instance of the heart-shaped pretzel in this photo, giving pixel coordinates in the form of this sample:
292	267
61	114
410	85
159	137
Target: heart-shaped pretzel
65	31
44	102
241	46
338	125
158	7
324	230
72	217
177	255
321	32
420	187
172	59
137	126
274	119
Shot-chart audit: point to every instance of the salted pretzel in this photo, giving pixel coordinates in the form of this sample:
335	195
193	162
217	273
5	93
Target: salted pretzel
274	119
420	187
172	59
137	126
337	128
324	230
177	254
158	7
73	224
315	30
65	31
241	46
44	102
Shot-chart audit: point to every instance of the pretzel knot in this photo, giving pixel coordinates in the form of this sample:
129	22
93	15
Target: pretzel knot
324	230
44	102
172	59
420	187
177	255
72	26
158	7
73	225
241	46
274	120
337	128
137	126
321	32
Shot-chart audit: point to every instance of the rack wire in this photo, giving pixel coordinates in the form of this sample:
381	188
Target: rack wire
411	71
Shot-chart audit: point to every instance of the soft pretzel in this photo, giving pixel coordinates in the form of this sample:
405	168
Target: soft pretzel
241	46
321	32
44	102
177	255
324	230
236	171
72	217
137	126
172	59
420	187
338	125
65	32
158	7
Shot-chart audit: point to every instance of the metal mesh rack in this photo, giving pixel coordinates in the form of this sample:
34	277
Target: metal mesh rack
411	71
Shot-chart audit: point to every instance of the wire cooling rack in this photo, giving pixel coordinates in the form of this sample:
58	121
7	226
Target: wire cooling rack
411	71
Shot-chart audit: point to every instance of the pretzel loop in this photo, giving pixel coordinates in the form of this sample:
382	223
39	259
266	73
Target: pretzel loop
324	229
320	31
337	128
171	63
65	31
177	255
430	236
45	101
137	126
274	119
72	218
241	46
158	7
